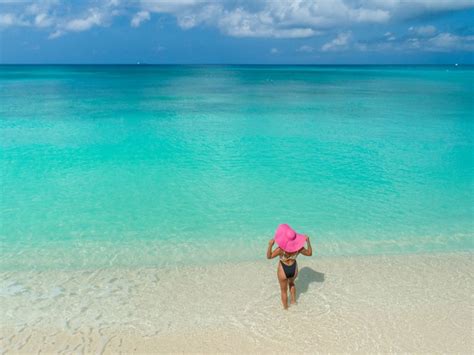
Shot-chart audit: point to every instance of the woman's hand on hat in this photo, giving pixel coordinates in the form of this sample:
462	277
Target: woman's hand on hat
271	241
306	238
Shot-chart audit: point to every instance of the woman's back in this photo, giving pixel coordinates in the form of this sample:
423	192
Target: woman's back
285	257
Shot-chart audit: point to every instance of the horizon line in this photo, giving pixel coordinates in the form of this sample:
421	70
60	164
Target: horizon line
138	64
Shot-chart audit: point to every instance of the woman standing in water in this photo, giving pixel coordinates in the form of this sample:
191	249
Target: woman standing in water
290	244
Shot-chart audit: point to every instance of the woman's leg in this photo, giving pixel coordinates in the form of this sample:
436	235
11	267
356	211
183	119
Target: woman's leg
291	284
283	286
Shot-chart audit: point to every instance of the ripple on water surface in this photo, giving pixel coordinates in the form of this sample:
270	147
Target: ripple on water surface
115	166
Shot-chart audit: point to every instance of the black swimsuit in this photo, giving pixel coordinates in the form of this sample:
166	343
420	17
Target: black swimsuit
290	270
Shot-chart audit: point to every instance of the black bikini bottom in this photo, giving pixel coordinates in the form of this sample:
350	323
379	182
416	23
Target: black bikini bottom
290	270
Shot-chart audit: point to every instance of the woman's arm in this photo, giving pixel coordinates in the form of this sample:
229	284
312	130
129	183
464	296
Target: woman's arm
307	251
271	254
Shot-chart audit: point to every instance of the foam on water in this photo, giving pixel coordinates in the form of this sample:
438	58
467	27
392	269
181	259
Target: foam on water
115	165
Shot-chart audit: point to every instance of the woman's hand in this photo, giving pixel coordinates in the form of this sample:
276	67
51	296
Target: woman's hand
308	251
271	254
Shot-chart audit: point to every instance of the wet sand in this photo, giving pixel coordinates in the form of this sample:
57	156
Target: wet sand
404	303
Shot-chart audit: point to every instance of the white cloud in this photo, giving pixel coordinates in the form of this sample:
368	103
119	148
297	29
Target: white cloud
9	20
93	18
236	18
321	14
43	20
170	6
268	18
113	2
369	15
403	9
274	51
427	38
389	36
339	43
447	42
190	17
42	13
140	17
428	30
440	42
53	14
236	22
56	34
240	23
305	48
56	14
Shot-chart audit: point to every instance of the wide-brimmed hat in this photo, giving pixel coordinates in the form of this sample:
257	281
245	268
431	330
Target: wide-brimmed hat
288	240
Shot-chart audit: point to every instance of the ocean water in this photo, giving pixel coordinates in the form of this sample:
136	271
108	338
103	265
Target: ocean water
132	166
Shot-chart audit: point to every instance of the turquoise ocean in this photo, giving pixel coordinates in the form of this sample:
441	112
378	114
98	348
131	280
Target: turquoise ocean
162	166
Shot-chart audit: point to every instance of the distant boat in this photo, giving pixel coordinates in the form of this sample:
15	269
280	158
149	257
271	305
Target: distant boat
456	64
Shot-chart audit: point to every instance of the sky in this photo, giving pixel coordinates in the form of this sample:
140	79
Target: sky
237	32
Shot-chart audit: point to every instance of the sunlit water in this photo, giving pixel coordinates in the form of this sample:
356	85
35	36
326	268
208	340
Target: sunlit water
168	165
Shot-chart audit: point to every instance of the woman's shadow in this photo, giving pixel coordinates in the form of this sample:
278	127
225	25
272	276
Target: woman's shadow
306	276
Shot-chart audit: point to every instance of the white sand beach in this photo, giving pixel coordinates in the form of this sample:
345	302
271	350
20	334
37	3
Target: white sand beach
404	303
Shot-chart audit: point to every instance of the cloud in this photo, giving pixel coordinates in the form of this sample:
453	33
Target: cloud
94	18
235	22
277	19
300	18
339	43
305	48
40	14
389	36
43	20
191	17
401	10
171	6
320	14
274	51
295	18
240	23
56	34
235	18
54	15
139	17
427	39
447	42
267	18
369	15
9	20
423	30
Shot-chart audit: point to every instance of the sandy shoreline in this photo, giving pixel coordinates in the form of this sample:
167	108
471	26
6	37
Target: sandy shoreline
414	303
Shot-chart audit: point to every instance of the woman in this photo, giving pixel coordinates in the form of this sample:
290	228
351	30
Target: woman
290	244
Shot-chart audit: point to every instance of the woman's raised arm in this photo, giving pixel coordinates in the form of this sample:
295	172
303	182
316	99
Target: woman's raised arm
271	254
307	251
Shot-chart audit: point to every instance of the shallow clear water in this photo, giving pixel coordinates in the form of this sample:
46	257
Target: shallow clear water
164	165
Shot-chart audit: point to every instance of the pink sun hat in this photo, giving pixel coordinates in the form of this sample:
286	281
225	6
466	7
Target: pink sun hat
288	240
